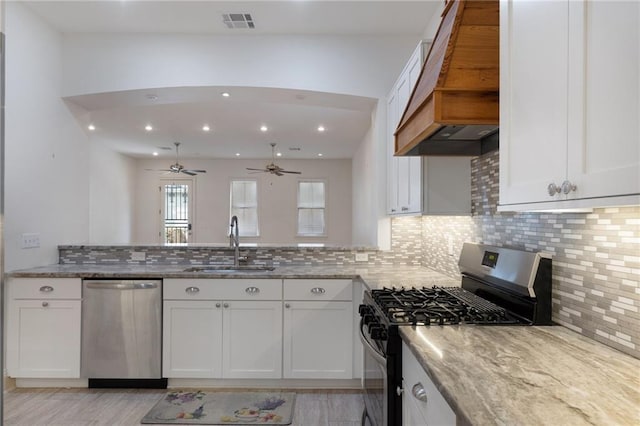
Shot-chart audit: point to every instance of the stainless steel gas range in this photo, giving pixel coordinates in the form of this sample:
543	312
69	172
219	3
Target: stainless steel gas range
499	286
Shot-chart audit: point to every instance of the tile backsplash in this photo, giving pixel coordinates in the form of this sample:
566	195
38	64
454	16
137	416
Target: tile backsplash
596	256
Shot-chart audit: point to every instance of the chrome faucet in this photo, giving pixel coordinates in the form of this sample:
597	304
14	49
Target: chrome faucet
234	240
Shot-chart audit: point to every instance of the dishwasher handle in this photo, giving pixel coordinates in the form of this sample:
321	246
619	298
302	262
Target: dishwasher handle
121	285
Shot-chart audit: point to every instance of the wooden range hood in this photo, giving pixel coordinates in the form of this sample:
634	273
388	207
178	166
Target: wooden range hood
454	107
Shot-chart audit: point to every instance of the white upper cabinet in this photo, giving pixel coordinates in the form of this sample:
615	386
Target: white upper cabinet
405	173
569	113
422	185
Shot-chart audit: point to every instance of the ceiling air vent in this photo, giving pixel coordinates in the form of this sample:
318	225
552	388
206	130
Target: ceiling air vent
238	20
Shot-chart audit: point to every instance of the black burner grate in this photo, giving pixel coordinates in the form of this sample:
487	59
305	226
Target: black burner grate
438	306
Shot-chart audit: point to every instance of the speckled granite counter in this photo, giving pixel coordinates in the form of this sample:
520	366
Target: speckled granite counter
372	276
528	375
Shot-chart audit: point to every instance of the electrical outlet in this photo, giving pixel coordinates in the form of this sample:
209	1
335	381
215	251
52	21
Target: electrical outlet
362	257
138	255
30	240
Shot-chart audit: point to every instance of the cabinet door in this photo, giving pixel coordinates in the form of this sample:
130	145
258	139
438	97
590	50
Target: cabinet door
252	340
318	340
533	99
44	339
192	339
423	403
392	178
604	147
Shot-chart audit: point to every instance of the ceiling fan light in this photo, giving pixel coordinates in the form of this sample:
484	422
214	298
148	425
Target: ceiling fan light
263	128
321	129
206	128
148	127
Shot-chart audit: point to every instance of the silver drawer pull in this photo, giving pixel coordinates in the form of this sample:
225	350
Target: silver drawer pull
218	304
418	392
46	289
318	290
226	305
252	290
192	290
45	304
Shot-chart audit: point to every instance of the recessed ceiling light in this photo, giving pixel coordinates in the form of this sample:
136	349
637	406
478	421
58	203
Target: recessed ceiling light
237	154
321	128
155	153
148	127
151	96
319	155
226	94
91	127
205	128
279	154
263	128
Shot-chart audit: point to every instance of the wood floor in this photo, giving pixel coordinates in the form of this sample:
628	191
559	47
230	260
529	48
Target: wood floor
83	407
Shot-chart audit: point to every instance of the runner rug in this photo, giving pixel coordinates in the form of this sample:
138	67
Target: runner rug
222	408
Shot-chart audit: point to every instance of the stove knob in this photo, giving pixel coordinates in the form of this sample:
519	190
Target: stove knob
364	309
378	332
367	319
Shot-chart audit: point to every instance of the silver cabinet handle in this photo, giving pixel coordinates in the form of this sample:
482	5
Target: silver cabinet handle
218	304
553	189
192	290
252	290
226	305
46	289
45	304
393	210
404	209
318	290
568	187
418	392
399	391
287	305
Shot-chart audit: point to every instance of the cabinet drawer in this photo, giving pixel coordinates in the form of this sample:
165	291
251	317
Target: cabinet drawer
301	289
45	288
222	289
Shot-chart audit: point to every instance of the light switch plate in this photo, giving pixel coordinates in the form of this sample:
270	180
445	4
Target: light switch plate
31	240
362	257
138	255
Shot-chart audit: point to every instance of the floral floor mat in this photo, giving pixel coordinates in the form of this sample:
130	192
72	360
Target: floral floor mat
222	408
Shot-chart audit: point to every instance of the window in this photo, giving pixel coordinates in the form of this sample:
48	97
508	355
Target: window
244	205
176	211
311	208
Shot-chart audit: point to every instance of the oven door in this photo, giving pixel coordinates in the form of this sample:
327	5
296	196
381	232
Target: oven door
375	381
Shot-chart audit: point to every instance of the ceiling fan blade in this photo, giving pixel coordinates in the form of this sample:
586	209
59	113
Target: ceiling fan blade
288	171
196	171
188	172
260	170
277	173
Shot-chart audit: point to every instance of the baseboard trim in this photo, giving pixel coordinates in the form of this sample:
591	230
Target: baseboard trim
347	384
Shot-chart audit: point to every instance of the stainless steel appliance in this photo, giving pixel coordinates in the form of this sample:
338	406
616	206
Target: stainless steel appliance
122	333
499	287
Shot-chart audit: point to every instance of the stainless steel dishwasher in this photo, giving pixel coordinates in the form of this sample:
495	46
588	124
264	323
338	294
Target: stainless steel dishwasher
122	333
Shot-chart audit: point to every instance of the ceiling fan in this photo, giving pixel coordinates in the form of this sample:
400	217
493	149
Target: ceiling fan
179	168
272	167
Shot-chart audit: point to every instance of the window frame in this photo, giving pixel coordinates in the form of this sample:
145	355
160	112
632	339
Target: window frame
325	209
257	207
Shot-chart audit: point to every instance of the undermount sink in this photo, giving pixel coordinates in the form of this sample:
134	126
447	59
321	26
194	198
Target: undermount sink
217	269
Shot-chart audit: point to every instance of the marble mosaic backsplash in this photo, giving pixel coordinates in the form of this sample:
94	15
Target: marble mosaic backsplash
596	256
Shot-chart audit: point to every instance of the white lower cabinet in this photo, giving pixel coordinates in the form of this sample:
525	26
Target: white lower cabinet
43	328
318	329
222	328
252	340
192	339
422	403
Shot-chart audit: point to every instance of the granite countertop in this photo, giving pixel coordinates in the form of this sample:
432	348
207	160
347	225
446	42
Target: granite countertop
371	276
528	375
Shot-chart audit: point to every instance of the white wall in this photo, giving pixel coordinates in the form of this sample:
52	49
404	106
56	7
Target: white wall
276	199
357	65
112	196
46	163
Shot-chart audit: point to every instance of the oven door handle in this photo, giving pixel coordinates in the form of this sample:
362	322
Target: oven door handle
379	357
